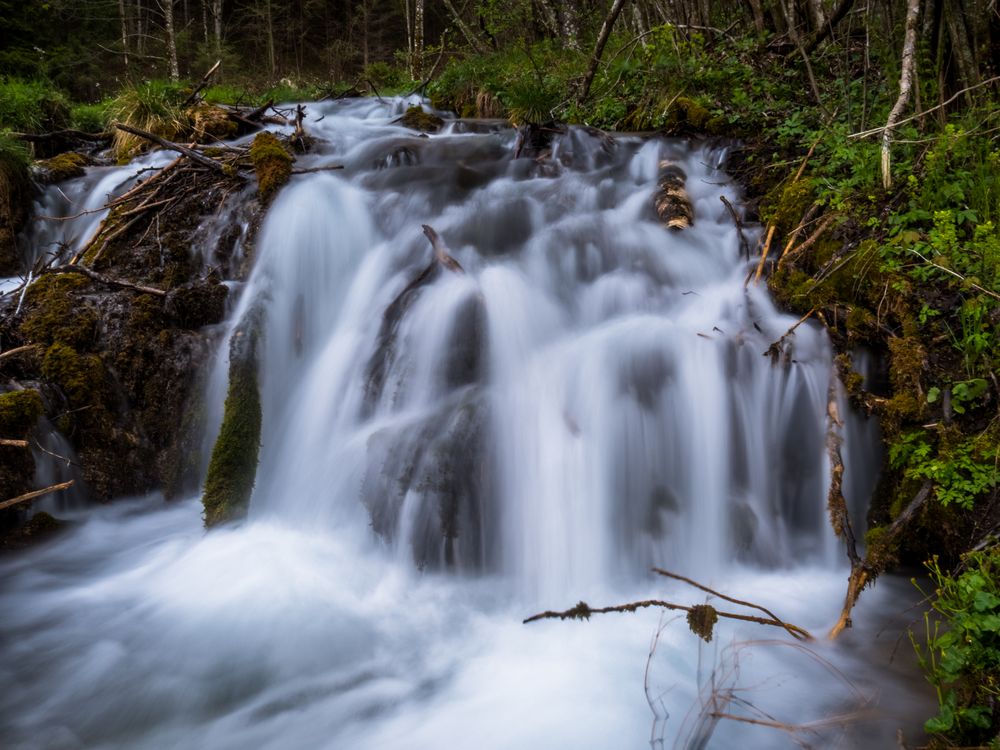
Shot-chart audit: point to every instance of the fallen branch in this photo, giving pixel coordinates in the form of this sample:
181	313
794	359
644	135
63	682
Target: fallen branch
792	629
440	251
811	240
744	245
204	82
77	135
106	280
13	443
35	493
318	169
18	350
583	611
171	146
763	256
775	350
957	275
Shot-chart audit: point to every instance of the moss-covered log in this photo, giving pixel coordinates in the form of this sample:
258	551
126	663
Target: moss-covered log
233	467
272	164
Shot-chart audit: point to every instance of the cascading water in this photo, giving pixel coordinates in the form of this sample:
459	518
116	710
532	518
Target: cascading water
585	398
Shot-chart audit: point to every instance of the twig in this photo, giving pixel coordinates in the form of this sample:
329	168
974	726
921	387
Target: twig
811	240
36	493
792	629
310	170
18	350
583	611
876	131
958	276
763	255
106	280
744	245
776	349
164	143
204	82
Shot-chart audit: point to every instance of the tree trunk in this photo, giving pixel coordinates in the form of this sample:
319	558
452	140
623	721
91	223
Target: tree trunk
905	85
124	20
602	39
167	6
570	25
418	38
463	28
217	24
409	38
758	15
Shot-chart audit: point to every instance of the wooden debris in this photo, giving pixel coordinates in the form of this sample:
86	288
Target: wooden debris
441	252
204	82
190	153
28	496
106	280
671	200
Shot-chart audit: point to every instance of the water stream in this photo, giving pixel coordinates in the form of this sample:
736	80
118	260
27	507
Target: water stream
589	398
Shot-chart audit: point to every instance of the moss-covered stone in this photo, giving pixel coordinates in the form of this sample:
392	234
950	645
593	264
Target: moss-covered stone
55	313
233	467
907	363
19	412
80	376
785	205
210	122
416	118
62	167
271	162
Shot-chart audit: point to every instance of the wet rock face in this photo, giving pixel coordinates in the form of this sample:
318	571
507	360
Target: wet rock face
117	369
16	192
430	483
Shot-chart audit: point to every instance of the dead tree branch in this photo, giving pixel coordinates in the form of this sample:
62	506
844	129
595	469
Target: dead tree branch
28	496
106	280
190	153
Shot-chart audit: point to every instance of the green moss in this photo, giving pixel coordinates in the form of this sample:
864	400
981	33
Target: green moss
19	411
55	314
684	113
907	362
80	376
271	162
786	204
233	466
416	119
63	167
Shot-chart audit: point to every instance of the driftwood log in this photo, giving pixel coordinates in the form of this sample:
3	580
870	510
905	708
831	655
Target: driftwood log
671	200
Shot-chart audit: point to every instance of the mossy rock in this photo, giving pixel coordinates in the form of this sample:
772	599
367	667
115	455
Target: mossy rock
416	119
685	114
786	204
272	163
233	466
19	412
55	313
62	167
80	376
211	123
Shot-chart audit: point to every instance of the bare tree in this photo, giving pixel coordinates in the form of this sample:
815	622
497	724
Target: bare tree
167	8
905	86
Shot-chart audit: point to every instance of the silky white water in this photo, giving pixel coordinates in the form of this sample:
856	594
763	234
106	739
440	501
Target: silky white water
589	398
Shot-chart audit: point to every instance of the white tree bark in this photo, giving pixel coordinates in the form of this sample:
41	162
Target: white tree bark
124	20
217	23
418	38
905	86
167	6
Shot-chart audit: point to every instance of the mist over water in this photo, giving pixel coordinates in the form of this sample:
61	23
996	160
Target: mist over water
589	398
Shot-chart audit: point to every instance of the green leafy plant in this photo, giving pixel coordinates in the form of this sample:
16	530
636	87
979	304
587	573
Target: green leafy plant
960	655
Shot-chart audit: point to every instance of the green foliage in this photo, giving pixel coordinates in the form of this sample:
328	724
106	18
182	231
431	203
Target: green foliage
961	655
960	472
90	118
153	106
32	106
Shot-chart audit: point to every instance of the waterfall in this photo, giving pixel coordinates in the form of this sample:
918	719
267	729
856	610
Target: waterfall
587	397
